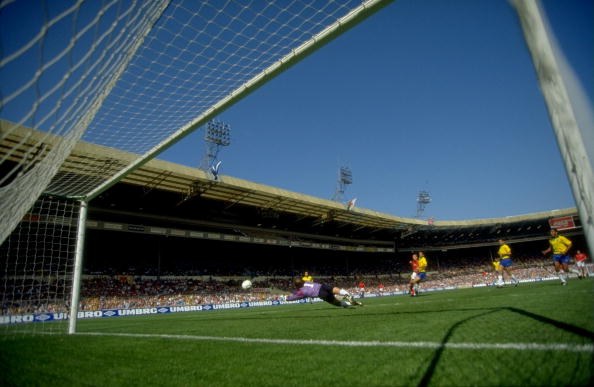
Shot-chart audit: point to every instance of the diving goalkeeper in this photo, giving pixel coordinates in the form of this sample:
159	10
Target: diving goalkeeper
323	291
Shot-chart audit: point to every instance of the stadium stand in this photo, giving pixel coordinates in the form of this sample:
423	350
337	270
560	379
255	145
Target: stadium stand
175	225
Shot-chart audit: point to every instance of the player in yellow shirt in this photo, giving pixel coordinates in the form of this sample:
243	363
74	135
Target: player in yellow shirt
506	263
560	246
422	264
306	277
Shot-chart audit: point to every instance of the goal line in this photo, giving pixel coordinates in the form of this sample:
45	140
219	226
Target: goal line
341	343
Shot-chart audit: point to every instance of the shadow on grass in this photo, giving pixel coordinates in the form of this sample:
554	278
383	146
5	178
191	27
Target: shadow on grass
558	324
438	354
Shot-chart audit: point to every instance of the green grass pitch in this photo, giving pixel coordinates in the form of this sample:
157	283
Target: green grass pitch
537	334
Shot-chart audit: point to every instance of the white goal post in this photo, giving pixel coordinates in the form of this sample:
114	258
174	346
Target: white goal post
555	76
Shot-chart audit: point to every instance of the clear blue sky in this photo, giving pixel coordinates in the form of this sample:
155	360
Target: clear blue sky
426	95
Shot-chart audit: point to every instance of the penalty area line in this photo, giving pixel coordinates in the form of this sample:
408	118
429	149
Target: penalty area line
339	343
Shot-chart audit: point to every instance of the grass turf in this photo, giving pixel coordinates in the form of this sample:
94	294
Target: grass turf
181	350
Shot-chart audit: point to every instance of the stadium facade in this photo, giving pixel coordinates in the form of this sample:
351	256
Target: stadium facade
164	209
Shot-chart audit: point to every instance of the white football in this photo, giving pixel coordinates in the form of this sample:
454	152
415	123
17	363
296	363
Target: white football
246	284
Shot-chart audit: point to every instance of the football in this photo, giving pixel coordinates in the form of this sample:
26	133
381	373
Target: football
246	284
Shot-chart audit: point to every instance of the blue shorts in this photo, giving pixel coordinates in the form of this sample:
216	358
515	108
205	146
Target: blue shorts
506	262
561	258
422	275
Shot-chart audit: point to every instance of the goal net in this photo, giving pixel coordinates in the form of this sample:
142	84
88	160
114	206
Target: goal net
37	267
137	76
132	76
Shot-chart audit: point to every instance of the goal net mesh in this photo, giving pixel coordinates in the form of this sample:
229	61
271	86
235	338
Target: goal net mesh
131	78
128	75
37	265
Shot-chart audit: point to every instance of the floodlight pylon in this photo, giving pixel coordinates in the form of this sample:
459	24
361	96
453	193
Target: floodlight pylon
423	198
217	135
345	177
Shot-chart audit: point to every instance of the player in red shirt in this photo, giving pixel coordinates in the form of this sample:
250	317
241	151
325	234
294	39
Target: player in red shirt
414	264
361	287
580	262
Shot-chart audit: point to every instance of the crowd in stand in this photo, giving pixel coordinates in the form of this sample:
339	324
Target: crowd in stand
108	290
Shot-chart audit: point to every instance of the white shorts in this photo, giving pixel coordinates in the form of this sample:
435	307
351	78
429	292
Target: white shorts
580	263
413	275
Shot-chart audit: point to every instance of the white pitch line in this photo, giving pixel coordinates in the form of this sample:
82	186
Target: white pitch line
338	343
